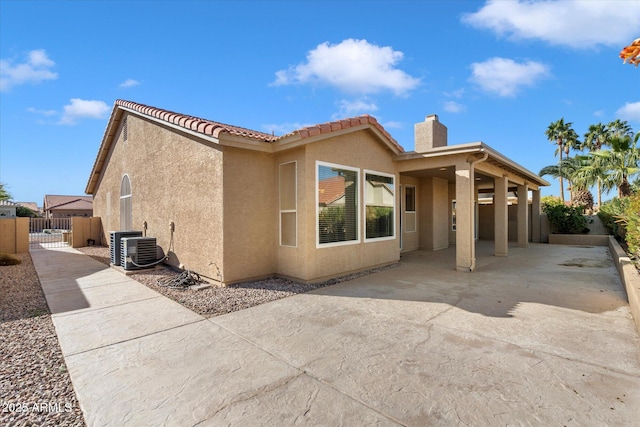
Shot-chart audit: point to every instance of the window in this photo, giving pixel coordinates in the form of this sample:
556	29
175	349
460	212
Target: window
288	212
379	198
453	215
410	209
337	202
125	204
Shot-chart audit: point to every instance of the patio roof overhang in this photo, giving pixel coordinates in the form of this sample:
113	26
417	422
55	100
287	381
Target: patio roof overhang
441	162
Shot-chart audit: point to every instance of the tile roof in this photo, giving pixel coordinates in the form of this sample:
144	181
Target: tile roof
214	129
330	190
29	205
206	127
310	131
67	202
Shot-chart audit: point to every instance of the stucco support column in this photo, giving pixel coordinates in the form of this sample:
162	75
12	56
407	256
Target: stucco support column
501	216
535	216
523	217
465	218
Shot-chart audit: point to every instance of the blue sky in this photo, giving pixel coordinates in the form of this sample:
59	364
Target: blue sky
498	72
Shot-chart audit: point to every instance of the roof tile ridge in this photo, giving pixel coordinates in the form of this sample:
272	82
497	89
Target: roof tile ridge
194	123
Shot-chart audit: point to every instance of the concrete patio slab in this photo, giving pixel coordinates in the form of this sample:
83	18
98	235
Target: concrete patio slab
78	298
87	280
90	329
303	400
181	376
542	337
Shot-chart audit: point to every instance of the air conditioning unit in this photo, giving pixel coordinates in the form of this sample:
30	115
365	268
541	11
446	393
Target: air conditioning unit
138	250
114	243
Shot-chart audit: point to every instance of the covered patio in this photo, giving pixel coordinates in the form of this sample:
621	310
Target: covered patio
448	181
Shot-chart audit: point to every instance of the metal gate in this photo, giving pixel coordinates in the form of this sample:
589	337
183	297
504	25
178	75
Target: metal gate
49	232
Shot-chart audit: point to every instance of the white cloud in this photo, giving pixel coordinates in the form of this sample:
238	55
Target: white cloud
35	70
505	77
47	113
81	108
352	66
391	124
129	83
576	23
630	112
454	107
354	108
458	93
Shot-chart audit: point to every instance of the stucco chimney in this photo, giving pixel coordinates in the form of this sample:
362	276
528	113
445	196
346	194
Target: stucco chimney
430	134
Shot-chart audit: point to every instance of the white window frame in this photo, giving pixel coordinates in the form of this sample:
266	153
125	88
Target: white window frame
357	205
413	212
364	206
295	211
454	222
123	208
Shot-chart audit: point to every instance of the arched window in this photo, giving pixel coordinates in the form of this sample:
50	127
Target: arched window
125	204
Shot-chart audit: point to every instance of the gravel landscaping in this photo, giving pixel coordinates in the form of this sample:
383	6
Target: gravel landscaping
218	300
35	388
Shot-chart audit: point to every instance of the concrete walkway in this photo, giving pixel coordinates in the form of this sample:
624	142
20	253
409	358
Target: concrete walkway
543	337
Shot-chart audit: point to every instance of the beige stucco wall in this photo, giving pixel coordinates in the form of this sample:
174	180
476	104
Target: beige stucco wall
66	213
84	229
174	178
433	213
364	151
250	222
291	261
14	235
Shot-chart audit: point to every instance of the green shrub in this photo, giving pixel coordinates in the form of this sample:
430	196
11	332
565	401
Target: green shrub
631	220
6	259
566	219
611	214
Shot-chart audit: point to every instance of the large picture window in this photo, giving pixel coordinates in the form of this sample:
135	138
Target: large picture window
337	201
379	198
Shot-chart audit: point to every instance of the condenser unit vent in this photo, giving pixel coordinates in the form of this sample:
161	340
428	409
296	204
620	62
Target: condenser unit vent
114	244
138	252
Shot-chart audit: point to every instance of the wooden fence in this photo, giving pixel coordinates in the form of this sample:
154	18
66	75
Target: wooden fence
14	234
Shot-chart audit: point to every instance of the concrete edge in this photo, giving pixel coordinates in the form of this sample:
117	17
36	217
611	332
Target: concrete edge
579	239
629	276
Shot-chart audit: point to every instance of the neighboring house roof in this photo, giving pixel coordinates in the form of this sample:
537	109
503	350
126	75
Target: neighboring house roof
233	135
330	190
29	205
8	203
53	202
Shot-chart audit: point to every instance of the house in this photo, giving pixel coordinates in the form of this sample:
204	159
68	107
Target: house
67	206
32	206
235	204
7	209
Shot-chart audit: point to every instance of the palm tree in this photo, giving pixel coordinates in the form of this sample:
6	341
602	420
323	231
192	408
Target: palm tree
572	169
621	162
4	194
561	134
594	140
619	128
